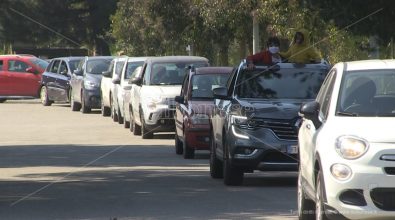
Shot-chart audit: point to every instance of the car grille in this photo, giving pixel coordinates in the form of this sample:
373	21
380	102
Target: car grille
283	129
279	157
390	170
384	198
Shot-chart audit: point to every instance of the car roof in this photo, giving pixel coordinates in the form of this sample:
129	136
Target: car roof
321	65
99	57
213	70
68	58
137	58
369	64
18	56
176	58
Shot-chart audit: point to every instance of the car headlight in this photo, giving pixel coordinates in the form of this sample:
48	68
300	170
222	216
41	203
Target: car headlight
152	101
341	171
91	84
351	147
200	119
238	120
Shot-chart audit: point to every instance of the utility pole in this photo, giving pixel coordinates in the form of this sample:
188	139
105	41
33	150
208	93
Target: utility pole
255	32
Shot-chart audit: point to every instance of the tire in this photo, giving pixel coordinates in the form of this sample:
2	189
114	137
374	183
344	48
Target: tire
178	145
233	176
3	100
126	124
145	133
134	128
75	106
114	115
216	166
120	118
188	153
105	111
306	207
44	96
319	204
85	109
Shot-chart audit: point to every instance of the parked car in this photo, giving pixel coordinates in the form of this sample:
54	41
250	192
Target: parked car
55	83
255	118
347	146
85	83
194	106
20	76
107	85
122	89
152	99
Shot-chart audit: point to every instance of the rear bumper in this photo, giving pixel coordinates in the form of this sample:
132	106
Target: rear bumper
198	138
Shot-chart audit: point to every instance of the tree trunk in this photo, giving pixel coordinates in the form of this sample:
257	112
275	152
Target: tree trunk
223	55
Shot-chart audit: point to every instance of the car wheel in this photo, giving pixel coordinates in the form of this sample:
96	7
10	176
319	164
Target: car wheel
233	176
105	111
2	100
319	204
44	96
216	166
178	145
75	106
188	152
114	115
306	207
145	133
120	118
126	124
134	128
85	109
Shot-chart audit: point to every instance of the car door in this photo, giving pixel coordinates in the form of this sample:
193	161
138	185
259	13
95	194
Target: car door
137	96
23	83
309	132
62	82
5	87
49	79
76	81
181	108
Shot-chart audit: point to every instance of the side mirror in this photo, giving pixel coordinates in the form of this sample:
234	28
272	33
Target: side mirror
179	99
310	111
116	80
135	80
78	72
31	70
220	93
106	74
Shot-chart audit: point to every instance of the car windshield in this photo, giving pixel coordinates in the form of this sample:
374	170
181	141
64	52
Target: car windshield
97	66
39	62
73	65
131	67
171	73
367	93
203	85
296	83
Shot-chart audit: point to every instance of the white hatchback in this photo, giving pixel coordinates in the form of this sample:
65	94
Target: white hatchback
347	144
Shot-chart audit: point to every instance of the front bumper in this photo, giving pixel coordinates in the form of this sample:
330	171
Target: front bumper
160	119
198	137
92	98
262	150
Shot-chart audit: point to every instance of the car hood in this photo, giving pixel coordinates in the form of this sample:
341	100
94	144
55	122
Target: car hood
93	77
372	129
278	109
164	91
201	107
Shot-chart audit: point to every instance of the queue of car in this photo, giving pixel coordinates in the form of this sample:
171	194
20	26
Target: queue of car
333	125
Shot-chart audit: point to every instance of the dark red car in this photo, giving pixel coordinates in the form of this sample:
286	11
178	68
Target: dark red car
194	106
20	76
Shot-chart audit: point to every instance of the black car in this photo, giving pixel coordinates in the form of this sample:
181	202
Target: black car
85	83
55	82
255	118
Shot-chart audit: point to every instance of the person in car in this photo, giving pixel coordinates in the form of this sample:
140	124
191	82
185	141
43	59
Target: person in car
300	50
268	56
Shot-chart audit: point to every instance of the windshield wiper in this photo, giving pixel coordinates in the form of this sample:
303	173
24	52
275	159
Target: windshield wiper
352	114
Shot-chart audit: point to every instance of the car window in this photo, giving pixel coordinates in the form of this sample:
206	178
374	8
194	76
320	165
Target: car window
118	67
326	95
17	66
131	67
281	84
111	67
55	66
73	64
63	68
97	66
171	73
185	86
39	62
203	85
1	65
368	93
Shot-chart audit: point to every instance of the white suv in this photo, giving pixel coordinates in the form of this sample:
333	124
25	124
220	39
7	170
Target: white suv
152	98
347	144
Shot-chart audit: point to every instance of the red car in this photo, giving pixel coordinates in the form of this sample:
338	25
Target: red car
20	76
194	106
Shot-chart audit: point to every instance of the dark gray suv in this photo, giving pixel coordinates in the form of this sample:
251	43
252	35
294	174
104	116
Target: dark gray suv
255	118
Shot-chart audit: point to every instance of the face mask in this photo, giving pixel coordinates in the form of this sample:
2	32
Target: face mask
274	50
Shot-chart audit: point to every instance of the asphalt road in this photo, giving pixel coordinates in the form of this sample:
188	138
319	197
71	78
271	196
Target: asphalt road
59	164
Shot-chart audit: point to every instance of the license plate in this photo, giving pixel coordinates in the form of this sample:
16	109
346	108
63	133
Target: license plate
292	149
